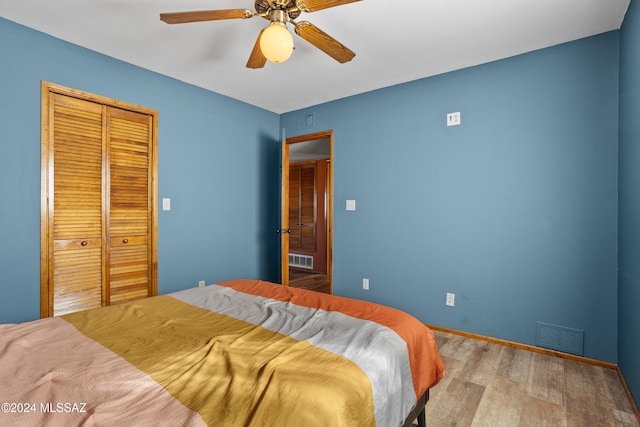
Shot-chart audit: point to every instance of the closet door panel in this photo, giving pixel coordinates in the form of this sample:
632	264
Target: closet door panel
129	272
130	207
308	208
294	207
77	278
302	207
76	214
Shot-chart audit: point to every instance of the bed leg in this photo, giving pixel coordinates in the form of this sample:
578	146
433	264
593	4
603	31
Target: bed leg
418	414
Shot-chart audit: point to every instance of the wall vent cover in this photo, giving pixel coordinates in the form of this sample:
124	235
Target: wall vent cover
305	120
301	261
560	338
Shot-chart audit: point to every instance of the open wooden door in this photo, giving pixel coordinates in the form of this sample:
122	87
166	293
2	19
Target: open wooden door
284	216
285	226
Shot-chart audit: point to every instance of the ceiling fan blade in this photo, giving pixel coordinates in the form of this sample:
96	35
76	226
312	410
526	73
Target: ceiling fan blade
324	42
205	15
257	59
313	5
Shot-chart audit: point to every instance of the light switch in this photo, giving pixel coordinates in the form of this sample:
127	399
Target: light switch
351	205
453	119
166	204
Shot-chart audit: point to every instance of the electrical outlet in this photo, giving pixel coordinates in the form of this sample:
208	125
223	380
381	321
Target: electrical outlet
201	284
451	299
365	284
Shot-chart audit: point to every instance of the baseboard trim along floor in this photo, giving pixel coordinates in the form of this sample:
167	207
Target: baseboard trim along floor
544	351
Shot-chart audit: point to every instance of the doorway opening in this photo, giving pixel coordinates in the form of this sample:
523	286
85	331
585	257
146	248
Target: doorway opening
307	211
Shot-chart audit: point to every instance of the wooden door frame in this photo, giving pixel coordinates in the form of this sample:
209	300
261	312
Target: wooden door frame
284	242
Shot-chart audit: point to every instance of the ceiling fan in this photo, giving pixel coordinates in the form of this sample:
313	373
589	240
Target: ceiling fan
274	41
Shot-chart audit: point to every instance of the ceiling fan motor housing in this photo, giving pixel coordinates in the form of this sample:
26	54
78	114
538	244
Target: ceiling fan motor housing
265	7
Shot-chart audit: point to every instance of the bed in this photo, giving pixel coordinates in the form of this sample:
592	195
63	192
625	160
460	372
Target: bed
239	353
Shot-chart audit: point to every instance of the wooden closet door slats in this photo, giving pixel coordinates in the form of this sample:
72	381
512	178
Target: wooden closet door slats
294	207
308	194
79	270
129	214
302	207
77	204
98	201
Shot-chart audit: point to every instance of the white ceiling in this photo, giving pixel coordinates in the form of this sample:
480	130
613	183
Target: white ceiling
315	149
394	41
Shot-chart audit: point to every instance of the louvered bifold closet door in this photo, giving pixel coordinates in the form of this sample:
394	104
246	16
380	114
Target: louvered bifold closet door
308	196
302	206
99	191
294	207
75	213
130	219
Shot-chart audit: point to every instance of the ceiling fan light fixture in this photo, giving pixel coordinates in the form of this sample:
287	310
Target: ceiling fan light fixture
276	42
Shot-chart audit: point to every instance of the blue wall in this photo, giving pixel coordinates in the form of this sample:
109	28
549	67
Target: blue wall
218	162
514	211
629	235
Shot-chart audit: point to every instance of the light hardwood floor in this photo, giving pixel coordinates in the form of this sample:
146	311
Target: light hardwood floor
489	384
307	280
